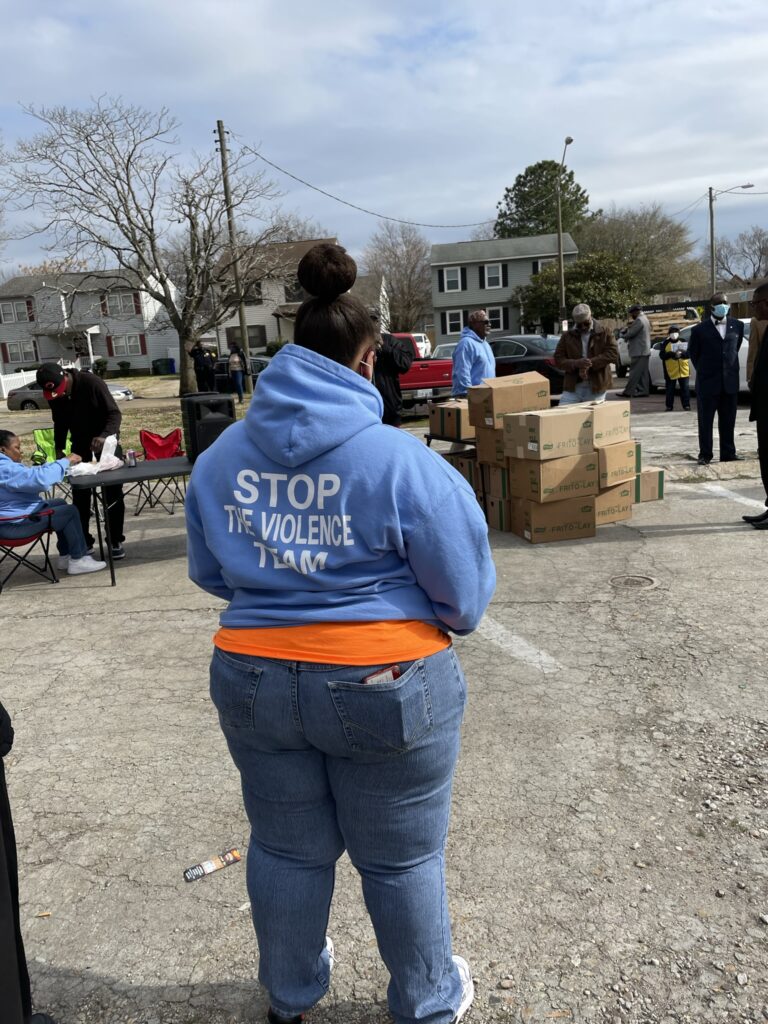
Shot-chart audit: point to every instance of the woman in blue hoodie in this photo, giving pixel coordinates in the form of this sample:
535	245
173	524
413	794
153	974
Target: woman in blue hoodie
346	552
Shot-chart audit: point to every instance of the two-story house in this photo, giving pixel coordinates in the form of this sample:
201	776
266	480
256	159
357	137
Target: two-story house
271	303
70	316
484	275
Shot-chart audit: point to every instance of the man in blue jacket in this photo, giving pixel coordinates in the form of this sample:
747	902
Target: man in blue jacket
473	360
714	352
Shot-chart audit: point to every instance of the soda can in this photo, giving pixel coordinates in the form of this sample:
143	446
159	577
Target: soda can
130	458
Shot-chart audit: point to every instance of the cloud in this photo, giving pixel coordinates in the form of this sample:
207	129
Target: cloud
428	112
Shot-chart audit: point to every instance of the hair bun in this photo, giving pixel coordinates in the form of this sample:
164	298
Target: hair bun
327	271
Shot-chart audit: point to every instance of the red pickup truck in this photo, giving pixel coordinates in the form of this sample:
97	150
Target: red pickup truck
427	378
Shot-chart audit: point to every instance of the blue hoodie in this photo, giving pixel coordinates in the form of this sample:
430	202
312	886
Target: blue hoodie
311	510
473	362
21	486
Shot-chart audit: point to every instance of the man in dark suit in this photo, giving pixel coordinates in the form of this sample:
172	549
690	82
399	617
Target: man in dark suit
714	352
757	376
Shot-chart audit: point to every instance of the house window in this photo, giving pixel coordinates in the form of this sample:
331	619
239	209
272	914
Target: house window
257	336
128	345
453	320
493	275
495	317
252	293
453	279
21	351
121	304
294	292
538	265
14	312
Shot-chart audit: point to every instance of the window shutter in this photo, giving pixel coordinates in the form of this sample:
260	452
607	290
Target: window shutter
481	273
441	282
465	317
535	267
443	322
30	311
104	306
504	275
4	348
137	304
110	349
463	279
505	319
143	344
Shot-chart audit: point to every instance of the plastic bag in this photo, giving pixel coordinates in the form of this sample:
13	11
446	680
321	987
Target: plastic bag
107	460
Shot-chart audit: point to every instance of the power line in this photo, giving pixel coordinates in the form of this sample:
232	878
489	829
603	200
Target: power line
373	213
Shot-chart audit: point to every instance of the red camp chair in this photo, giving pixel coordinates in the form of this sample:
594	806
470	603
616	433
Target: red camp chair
168	491
40	531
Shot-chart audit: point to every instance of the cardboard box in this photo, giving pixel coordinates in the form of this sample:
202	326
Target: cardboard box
560	520
615	503
618	463
497	484
555	479
466	464
638	455
490	446
499	514
610	423
450	420
491	400
452	458
649	485
550	434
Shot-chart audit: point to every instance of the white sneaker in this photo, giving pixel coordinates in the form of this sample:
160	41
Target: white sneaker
467	986
331	954
78	566
62	563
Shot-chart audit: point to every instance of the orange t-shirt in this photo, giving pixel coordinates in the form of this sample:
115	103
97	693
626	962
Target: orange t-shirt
338	643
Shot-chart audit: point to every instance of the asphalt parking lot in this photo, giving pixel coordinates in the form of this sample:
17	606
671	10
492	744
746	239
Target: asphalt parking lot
608	856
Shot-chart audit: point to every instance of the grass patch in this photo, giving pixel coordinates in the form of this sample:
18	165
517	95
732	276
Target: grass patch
160	420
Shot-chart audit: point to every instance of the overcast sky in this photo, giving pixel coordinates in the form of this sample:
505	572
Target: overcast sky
423	110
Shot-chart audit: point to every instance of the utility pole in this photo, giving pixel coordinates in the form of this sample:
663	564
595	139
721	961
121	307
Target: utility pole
247	380
712	278
560	259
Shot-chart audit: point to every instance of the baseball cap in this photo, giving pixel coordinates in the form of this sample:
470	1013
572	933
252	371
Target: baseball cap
581	312
635	309
52	379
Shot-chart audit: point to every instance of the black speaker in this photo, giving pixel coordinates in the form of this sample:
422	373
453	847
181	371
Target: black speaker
204	415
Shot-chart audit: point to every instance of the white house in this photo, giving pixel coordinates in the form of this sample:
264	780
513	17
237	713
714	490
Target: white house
64	317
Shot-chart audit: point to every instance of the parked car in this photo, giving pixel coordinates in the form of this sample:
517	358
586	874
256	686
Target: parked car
30	396
221	371
445	350
421	341
656	369
522	353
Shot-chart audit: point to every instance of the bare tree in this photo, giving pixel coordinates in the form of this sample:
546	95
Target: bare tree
290	226
401	253
745	258
107	185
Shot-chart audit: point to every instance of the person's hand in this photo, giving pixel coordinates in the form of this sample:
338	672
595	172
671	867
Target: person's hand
73	459
583	364
97	443
60	454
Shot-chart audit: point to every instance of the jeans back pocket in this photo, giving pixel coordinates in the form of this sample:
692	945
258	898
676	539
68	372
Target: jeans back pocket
384	718
234	682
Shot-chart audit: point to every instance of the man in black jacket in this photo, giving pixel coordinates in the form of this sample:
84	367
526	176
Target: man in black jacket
757	376
392	360
82	405
15	995
714	352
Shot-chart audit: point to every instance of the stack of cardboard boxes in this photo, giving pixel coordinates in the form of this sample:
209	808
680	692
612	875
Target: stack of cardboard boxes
547	474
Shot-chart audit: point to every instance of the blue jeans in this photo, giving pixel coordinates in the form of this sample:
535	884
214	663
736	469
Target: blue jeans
236	376
65	521
582	393
329	763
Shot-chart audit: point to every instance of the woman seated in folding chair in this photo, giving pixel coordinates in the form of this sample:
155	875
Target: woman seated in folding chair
20	489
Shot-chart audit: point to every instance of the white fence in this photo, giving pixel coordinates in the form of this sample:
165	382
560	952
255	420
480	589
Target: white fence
9	381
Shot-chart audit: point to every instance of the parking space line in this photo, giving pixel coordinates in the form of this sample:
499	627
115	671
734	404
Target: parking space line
516	646
734	495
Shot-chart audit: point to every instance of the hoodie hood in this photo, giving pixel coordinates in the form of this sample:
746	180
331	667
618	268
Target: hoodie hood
305	405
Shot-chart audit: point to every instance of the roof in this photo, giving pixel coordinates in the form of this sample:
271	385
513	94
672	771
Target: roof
90	281
282	257
501	249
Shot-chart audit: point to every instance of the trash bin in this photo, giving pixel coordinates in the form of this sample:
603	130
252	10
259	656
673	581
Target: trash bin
163	366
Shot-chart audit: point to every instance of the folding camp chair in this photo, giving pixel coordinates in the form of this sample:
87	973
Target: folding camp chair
45	451
168	490
40	531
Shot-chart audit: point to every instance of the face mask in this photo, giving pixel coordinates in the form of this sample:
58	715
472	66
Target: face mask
720	310
586	326
367	371
674	335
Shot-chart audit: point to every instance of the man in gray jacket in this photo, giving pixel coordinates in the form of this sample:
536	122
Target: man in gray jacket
638	338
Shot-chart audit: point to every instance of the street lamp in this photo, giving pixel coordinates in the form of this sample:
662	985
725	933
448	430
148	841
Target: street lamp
561	265
712	193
